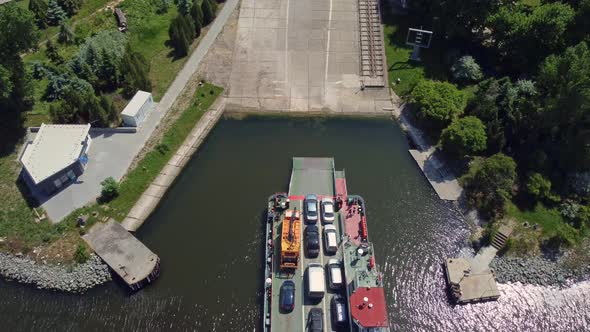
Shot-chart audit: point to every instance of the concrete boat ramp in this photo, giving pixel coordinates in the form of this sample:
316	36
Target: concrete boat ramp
135	263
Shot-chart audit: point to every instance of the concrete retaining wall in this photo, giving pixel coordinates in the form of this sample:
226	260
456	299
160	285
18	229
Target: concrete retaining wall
117	130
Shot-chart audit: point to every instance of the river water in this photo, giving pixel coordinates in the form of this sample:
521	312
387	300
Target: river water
208	233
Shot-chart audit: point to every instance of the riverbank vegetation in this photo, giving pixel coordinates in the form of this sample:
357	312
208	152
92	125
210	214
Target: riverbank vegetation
64	61
504	89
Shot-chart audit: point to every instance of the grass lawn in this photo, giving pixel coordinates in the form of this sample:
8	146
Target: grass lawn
551	224
147	33
432	66
395	29
18	230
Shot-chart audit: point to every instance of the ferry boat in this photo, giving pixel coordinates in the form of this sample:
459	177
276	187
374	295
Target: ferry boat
359	304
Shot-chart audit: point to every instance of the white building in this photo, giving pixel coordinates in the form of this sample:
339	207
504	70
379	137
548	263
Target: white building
56	157
138	109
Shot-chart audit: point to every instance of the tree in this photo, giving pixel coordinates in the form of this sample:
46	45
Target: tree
71	7
52	53
197	15
163	6
71	108
509	112
110	189
488	184
135	70
59	84
455	19
564	81
55	14
582	28
6	84
99	59
18	34
516	32
184	6
181	33
188	27
437	103
214	6
538	186
39	9
464	136
208	13
110	109
66	34
466	70
97	115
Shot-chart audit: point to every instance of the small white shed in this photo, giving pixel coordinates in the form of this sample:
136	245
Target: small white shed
138	109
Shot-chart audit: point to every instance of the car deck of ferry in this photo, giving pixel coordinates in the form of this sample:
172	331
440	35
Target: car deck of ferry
318	176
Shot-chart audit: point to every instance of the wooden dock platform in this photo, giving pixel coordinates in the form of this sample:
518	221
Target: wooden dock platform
135	263
467	286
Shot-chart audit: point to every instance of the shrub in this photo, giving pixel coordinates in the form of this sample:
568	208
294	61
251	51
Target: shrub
466	70
465	136
538	186
438	103
162	148
110	189
81	255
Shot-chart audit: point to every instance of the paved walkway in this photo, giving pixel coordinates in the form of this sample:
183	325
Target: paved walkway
112	154
443	181
191	65
150	198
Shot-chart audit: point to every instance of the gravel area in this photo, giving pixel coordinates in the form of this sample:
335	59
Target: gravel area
77	279
535	270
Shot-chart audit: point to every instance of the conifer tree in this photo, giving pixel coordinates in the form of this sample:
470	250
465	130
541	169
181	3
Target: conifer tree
52	53
97	115
66	35
214	6
39	9
110	110
208	13
184	6
55	14
71	7
135	72
179	38
197	15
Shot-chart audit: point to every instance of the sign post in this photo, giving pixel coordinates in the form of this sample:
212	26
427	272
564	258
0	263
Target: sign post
418	38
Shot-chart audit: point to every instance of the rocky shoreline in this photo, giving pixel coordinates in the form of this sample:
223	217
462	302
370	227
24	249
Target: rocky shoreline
535	270
77	279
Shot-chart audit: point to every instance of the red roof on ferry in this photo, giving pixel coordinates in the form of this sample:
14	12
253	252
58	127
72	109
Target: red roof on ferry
363	313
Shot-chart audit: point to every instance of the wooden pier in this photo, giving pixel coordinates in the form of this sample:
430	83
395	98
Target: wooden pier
135	263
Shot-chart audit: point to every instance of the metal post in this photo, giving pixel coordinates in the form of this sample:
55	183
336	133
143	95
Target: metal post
416	54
